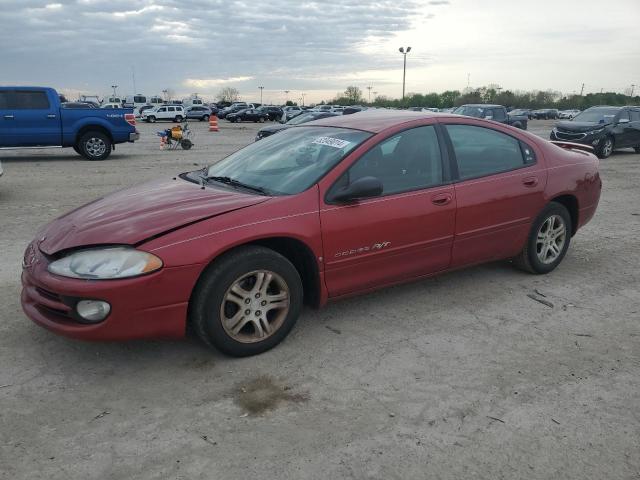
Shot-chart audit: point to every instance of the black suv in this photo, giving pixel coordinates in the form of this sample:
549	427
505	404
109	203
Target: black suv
604	128
272	111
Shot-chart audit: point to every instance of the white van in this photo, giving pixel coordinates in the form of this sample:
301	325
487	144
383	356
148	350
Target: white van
156	100
135	102
193	101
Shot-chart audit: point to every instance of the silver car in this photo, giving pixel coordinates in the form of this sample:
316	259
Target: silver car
198	112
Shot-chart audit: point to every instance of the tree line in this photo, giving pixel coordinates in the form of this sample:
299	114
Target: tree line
491	94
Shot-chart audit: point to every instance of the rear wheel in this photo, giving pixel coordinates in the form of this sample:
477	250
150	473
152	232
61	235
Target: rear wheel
247	301
205	118
548	240
178	119
606	148
151	119
94	146
637	149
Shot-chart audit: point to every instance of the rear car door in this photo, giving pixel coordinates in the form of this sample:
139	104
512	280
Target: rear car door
499	191
623	130
406	232
634	127
31	119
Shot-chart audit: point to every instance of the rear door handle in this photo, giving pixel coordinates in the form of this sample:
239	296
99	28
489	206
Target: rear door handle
51	115
441	199
530	181
8	117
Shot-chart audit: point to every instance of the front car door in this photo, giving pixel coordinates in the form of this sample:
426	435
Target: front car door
406	232
499	191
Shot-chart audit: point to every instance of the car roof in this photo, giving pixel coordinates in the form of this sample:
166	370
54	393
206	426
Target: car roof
374	121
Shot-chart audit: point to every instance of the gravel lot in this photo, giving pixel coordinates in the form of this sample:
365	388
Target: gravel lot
461	376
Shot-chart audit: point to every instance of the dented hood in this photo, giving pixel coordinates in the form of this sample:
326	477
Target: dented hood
135	214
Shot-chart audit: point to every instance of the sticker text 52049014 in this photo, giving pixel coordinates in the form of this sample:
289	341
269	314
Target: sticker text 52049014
331	142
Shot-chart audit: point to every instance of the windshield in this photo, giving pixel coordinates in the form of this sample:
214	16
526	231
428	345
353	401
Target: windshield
302	118
470	111
290	162
597	115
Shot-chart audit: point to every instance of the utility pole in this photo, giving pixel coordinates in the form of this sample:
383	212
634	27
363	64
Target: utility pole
261	89
286	92
468	80
116	86
404	70
302	98
133	77
369	88
633	86
582	90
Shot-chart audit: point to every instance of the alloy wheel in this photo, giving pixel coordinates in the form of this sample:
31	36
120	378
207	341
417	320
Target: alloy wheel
255	306
550	240
607	148
95	146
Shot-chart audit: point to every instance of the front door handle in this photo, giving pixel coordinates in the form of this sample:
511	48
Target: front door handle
51	115
530	181
441	199
8	117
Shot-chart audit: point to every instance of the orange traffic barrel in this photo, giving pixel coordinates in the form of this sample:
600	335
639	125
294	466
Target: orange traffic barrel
213	124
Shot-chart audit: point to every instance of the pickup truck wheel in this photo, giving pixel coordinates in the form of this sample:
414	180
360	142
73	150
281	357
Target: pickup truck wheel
95	146
247	301
548	240
151	119
606	148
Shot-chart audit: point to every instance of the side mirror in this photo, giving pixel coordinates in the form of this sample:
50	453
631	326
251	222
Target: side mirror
623	120
364	187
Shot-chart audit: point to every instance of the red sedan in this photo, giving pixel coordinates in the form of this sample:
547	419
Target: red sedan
331	208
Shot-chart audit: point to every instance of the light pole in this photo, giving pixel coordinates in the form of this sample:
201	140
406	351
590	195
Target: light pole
165	91
116	86
302	98
369	88
632	89
286	93
404	70
261	89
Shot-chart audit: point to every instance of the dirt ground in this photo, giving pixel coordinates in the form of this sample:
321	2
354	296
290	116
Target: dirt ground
460	376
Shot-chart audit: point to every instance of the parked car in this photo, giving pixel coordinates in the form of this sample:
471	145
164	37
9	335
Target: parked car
289	112
144	108
273	112
545	114
324	210
201	113
497	113
353	109
299	120
567	114
604	128
34	117
521	111
173	113
247	115
231	109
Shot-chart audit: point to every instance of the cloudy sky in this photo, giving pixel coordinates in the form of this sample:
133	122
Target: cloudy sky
318	48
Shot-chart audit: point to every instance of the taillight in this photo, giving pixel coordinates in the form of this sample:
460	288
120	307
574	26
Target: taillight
130	118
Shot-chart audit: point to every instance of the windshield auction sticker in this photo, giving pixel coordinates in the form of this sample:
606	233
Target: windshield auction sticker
331	142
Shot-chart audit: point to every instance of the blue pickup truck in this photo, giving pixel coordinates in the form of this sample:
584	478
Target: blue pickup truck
33	117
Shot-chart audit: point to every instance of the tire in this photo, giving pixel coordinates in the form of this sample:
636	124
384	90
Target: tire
209	303
178	119
606	147
554	216
261	120
637	149
94	146
151	119
205	118
186	144
517	125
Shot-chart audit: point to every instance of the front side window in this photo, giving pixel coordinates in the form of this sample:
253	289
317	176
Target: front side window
482	151
291	161
407	161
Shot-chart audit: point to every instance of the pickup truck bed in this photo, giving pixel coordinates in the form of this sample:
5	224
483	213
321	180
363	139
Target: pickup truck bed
33	117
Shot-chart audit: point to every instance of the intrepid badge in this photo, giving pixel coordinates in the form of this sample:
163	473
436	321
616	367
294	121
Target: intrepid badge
354	251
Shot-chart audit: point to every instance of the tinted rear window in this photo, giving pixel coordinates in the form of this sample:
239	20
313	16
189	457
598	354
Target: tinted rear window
24	100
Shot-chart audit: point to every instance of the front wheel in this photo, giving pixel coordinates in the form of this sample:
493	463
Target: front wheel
94	146
548	240
246	302
606	148
151	119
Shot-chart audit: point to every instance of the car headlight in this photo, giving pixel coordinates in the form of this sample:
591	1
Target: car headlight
106	263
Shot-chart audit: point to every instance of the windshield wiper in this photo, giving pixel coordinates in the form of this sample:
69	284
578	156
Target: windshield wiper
237	183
